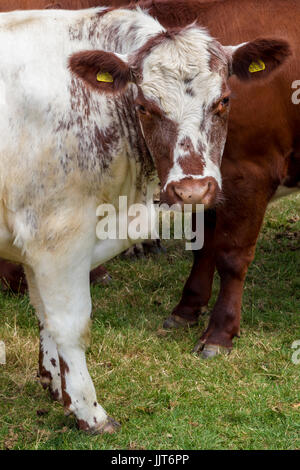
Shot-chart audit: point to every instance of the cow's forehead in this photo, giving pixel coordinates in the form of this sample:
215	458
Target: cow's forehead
191	67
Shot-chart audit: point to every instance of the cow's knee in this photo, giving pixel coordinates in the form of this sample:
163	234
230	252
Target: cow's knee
234	262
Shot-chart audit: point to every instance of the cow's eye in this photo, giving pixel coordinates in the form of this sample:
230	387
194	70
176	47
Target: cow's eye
142	109
225	101
222	106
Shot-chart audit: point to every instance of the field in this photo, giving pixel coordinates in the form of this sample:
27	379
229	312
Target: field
164	396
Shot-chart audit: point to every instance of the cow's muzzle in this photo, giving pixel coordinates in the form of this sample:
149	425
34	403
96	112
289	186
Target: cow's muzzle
192	191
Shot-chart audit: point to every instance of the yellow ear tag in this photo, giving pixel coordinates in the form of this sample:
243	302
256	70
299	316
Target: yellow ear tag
104	77
257	66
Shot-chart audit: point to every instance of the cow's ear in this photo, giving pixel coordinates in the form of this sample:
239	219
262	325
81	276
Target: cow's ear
257	59
104	71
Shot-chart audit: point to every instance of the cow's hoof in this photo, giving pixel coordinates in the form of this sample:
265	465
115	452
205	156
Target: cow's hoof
204	310
56	395
109	427
175	322
209	351
154	247
140	250
100	276
134	252
105	280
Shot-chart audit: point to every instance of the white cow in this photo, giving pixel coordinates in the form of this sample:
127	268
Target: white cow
78	129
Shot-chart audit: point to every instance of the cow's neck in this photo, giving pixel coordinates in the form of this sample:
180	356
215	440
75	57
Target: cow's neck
114	133
131	167
124	32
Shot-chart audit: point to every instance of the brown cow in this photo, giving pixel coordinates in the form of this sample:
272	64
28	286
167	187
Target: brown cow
262	153
9	5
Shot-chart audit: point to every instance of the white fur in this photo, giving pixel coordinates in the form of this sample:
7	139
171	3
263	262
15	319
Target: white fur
48	215
186	57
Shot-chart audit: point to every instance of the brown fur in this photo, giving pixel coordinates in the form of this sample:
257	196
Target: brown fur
64	369
262	151
87	64
9	5
156	134
272	52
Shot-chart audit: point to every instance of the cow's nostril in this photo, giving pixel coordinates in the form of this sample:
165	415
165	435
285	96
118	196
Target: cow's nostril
195	191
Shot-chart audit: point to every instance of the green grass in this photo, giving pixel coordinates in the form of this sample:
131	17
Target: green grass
164	396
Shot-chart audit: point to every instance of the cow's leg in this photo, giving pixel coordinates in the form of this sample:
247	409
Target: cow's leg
63	285
49	368
237	229
197	290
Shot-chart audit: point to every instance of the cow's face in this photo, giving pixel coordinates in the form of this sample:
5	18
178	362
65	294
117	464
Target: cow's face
182	101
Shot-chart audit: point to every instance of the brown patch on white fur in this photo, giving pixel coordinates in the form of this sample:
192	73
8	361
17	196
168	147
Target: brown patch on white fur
160	133
64	369
193	163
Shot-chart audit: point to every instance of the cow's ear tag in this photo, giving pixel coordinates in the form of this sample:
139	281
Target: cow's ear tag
105	77
258	66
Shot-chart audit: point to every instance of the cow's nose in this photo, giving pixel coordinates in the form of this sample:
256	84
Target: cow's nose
193	191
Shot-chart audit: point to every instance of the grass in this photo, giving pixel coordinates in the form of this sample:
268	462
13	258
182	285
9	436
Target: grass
164	396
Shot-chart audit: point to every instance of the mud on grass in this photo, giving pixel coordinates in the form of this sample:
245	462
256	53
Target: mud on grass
165	397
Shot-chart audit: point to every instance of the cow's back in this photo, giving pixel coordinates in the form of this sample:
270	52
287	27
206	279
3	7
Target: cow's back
9	5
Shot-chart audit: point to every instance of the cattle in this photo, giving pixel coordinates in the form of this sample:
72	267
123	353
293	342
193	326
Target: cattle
81	126
261	160
96	104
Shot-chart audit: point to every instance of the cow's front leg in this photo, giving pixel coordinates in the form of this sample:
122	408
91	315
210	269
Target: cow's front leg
237	229
63	285
49	368
197	290
224	323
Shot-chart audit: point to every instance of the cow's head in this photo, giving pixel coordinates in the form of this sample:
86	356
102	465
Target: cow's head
182	101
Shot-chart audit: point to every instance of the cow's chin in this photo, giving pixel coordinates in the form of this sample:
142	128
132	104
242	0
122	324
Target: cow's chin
190	192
